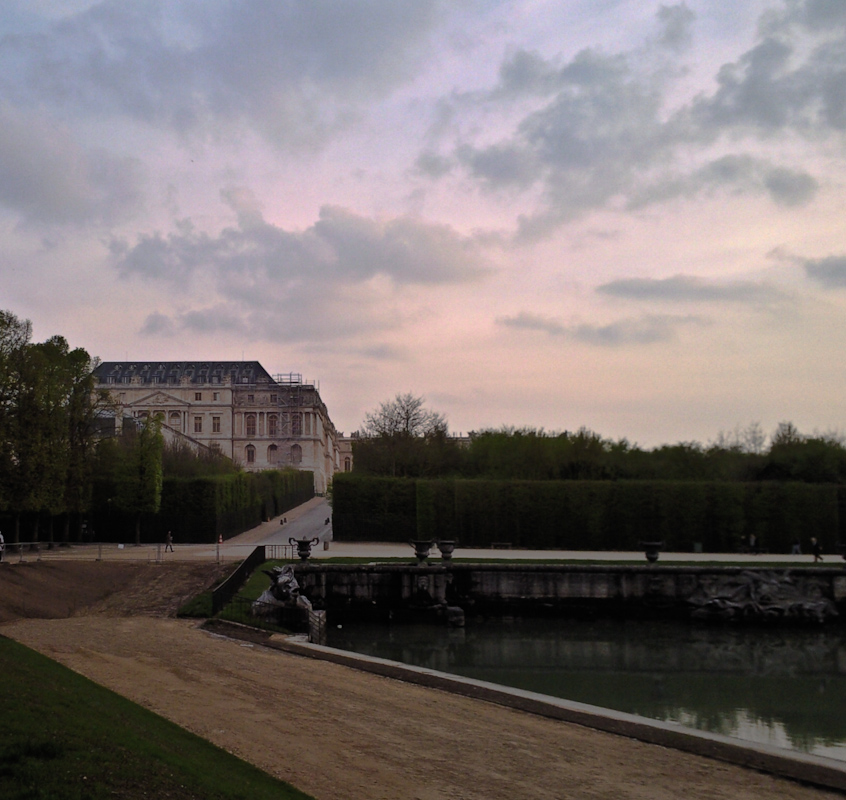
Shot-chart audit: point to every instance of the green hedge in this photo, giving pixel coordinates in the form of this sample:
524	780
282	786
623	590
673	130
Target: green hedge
199	510
587	515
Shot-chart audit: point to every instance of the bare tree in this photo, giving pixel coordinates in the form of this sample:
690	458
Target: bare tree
750	439
405	415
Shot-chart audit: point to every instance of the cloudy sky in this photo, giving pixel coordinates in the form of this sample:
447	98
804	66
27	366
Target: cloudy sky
613	213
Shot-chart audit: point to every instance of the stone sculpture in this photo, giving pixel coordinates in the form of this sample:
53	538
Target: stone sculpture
761	596
284	592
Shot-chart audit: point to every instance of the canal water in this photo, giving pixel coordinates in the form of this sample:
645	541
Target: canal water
779	686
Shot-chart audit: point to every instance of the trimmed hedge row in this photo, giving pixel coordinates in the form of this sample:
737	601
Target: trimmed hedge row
198	510
588	515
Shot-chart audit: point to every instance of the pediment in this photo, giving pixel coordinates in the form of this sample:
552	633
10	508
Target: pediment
159	399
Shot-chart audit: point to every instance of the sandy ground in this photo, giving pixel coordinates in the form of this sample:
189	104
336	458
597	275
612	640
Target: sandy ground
329	730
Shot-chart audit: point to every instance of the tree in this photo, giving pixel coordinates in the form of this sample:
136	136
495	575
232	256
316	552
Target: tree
139	490
403	438
404	415
46	425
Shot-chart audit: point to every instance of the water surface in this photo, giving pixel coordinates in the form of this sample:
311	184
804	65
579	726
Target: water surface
784	687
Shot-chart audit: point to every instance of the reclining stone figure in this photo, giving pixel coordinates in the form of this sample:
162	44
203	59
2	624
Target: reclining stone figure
284	592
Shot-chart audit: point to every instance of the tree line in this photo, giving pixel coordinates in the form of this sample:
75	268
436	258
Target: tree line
403	439
52	453
47	407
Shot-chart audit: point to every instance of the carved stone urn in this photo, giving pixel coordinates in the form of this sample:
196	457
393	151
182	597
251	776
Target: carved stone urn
421	549
651	550
304	546
446	546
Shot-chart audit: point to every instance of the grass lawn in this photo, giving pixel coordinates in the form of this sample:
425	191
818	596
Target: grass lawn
63	737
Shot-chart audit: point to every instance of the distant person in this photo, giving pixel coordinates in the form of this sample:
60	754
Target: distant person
2	546
796	550
169	542
753	544
816	549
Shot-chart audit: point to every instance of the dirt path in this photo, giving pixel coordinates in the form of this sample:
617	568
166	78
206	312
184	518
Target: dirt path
337	733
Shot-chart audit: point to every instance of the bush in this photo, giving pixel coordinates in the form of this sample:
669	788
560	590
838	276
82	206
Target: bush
586	515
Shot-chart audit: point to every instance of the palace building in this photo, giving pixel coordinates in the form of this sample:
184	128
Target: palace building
234	407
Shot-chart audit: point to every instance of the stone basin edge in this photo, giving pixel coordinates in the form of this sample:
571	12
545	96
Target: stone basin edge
810	769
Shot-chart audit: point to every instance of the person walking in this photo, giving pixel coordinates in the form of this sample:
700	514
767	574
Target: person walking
816	549
169	542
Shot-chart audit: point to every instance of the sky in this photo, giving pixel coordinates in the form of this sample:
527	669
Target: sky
617	214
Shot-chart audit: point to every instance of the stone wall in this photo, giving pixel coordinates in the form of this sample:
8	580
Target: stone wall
727	593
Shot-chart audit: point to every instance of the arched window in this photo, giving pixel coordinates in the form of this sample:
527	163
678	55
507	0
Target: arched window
250	421
272	454
347	464
272	425
175	420
251	454
296	454
296	424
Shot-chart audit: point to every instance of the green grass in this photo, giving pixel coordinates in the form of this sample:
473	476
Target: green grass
63	737
197	607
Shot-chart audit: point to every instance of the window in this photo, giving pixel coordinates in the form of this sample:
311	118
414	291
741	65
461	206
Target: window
251	398
272	425
296	424
272	454
215	395
296	454
215	447
198	424
347	464
198	395
175	420
250	421
251	454
274	398
215	424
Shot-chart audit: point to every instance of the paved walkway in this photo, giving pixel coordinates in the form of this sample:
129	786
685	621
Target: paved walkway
308	521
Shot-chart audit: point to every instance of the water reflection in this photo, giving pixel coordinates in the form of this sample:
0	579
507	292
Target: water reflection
785	687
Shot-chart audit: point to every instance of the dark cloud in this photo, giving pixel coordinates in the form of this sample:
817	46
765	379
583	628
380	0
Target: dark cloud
686	288
601	129
532	322
311	283
432	164
383	352
648	329
644	330
735	174
676	24
293	70
157	324
829	271
47	177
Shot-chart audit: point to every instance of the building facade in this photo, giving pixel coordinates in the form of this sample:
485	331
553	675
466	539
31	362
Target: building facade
234	407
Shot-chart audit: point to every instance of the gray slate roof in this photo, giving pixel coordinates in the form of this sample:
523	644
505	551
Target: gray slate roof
243	372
